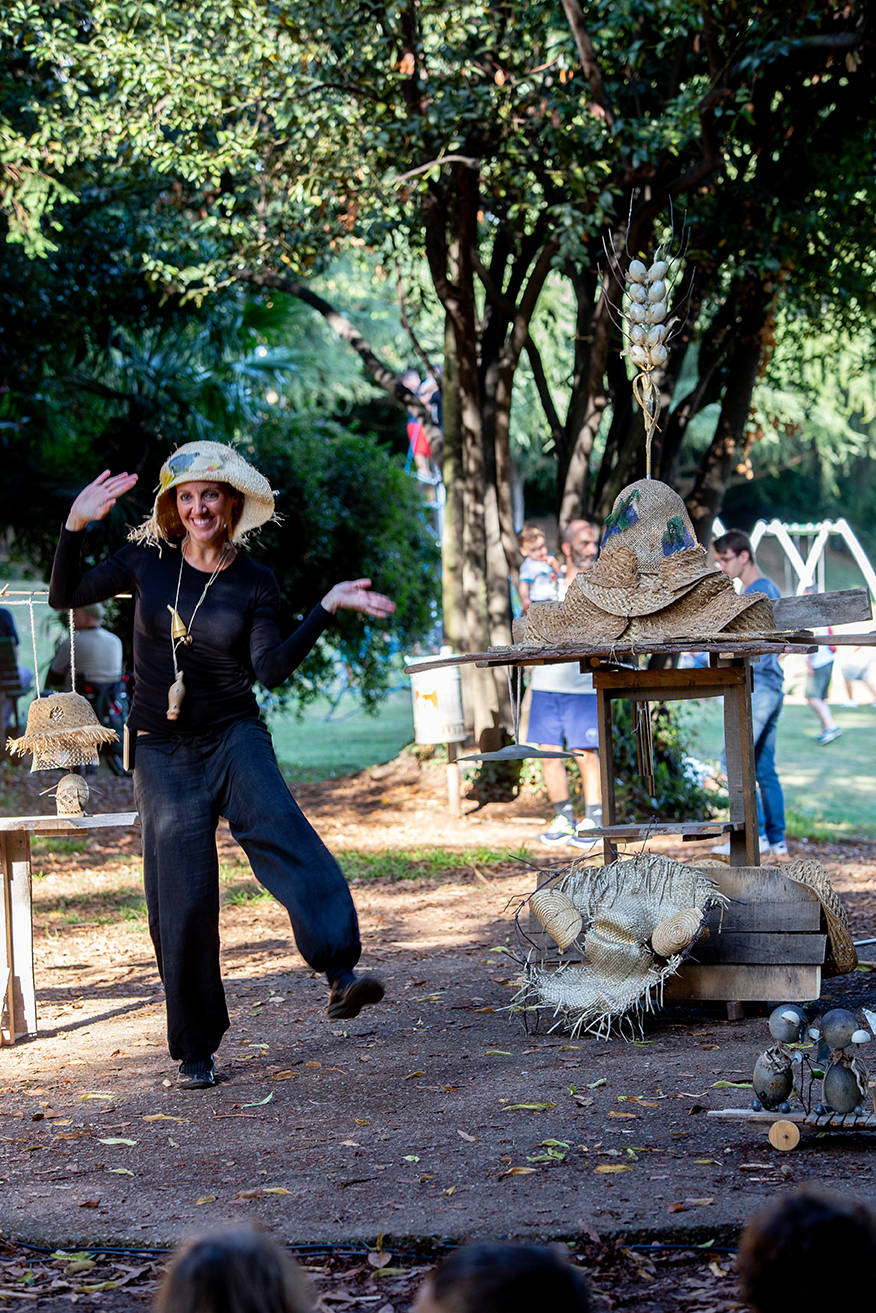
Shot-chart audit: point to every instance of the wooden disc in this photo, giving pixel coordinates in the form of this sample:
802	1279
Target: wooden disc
784	1136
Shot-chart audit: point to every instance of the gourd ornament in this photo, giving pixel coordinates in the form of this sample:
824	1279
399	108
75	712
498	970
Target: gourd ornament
837	1028
845	1085
787	1023
773	1078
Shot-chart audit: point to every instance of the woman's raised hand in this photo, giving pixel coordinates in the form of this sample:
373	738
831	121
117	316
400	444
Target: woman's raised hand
356	595
98	499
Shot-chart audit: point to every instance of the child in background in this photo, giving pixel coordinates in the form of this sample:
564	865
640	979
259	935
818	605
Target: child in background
538	573
797	1237
235	1270
491	1277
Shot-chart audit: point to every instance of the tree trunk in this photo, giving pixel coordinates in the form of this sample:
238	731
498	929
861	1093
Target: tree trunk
728	445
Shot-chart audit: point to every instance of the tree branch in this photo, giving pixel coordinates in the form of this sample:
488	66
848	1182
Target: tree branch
555	424
408	327
381	373
587	55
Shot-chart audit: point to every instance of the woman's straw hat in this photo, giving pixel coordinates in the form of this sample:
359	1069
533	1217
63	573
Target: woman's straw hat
207	462
62	731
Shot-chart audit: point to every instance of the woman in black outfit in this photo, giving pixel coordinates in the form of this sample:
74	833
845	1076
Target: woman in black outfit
205	621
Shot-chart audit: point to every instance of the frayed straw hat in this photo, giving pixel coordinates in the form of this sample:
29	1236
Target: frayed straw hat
841	956
62	731
207	462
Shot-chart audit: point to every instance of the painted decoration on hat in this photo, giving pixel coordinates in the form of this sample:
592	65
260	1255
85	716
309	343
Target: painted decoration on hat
624	516
677	537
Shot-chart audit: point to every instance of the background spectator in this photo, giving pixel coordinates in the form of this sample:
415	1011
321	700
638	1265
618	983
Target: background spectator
238	1270
503	1278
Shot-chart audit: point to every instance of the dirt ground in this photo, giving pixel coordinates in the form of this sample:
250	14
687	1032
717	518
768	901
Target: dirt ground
409	1123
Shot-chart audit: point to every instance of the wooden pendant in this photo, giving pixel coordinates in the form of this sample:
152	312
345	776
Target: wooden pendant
178	631
175	695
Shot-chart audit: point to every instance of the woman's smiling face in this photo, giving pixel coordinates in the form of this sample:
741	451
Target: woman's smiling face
206	510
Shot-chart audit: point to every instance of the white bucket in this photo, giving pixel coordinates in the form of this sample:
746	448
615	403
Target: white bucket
437	695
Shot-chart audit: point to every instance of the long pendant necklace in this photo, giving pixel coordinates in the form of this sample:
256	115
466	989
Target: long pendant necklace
181	636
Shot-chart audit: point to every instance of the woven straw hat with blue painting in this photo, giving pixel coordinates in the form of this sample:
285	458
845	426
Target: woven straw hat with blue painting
207	462
650	583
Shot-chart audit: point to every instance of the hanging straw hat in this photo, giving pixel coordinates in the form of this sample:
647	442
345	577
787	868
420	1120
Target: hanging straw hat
207	462
62	730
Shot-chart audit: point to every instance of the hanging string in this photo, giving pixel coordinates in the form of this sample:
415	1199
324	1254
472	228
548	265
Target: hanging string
36	671
72	652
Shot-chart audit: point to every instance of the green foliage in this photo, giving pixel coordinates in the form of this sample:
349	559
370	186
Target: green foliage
348	511
677	796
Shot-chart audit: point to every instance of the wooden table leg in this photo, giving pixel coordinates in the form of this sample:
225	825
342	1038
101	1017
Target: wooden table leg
739	748
606	769
17	922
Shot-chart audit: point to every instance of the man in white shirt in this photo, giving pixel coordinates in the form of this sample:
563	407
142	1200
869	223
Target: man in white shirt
98	652
564	711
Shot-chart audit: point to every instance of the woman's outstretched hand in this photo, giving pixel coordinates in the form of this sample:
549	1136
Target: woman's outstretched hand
356	595
98	499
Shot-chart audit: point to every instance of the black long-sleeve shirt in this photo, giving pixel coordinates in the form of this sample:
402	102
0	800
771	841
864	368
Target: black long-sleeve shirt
235	634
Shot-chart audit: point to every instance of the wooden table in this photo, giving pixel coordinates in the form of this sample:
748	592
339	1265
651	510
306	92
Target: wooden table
18	1018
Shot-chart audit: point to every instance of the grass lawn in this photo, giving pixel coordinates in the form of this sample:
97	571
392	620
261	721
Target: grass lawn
830	792
314	748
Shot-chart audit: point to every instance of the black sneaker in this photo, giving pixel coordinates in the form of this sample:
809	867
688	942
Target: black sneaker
197	1075
348	1000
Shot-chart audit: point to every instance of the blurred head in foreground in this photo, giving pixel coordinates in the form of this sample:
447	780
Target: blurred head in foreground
802	1237
238	1270
503	1278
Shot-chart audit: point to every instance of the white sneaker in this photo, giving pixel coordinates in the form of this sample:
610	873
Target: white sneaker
779	849
723	849
850	704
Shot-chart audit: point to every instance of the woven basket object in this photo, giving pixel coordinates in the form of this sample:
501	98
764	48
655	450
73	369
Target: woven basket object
71	795
840	956
650	584
62	731
621	907
558	914
206	462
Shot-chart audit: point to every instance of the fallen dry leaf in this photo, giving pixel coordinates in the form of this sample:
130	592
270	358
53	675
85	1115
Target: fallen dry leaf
528	1107
716	1269
450	1189
283	1075
206	1199
96	1096
469	1139
590	1232
87	1203
622	1114
699	1203
677	1208
518	1171
412	1074
379	1258
250	1194
121	1171
606	1168
275	1189
162	1117
117	1139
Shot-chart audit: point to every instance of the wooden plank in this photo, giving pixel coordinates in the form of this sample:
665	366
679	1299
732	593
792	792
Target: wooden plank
756	946
814	610
766	918
749	1115
743	983
696	829
661	680
65	824
16	876
739	750
606	769
759	884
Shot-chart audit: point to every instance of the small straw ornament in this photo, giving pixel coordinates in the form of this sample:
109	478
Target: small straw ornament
646	332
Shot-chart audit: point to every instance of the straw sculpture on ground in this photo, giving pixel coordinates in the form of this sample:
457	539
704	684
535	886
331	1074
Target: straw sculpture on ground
629	911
